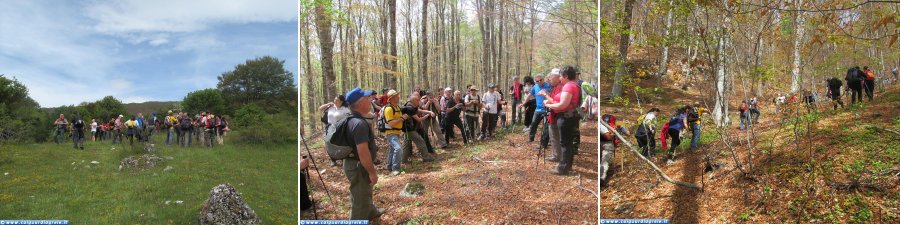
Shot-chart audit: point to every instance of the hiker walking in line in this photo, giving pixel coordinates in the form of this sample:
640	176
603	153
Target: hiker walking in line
59	135
868	82
693	119
515	93
77	132
432	124
473	108
360	168
564	104
452	105
646	132
676	124
754	109
333	111
834	92
490	100
854	84
412	129
743	109
209	129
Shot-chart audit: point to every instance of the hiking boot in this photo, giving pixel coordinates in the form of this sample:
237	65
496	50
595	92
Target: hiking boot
332	163
395	173
556	171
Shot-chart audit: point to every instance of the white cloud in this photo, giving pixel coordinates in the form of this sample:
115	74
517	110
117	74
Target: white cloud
128	16
135	99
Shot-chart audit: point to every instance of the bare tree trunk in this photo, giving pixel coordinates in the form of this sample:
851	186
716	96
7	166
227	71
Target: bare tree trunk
623	49
323	28
664	56
720	111
798	38
424	38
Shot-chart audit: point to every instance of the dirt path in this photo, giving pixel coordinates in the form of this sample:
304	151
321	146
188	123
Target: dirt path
508	185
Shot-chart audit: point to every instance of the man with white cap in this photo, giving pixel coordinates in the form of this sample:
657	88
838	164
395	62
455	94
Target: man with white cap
473	107
360	170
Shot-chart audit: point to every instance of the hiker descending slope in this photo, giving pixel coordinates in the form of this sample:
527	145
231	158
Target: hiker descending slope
834	92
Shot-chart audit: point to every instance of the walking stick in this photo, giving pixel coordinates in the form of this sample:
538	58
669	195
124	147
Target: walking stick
314	165
315	212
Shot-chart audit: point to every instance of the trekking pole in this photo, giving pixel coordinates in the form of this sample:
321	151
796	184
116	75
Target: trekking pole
315	212
314	165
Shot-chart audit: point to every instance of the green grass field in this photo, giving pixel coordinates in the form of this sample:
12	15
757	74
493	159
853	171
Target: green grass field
49	181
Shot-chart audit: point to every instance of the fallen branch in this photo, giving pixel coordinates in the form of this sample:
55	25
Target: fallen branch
655	168
489	161
885	129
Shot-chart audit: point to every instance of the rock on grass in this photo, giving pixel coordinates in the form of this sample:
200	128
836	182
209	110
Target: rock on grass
225	205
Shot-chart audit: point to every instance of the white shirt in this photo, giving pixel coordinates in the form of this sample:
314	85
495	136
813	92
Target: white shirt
335	114
93	126
490	100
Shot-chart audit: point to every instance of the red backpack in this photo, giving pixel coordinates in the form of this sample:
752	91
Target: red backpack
869	75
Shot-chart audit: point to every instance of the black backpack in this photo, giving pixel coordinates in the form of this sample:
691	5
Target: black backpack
381	124
693	116
337	143
185	123
324	118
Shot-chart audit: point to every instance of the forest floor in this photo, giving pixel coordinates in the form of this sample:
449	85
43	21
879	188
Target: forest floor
500	181
825	166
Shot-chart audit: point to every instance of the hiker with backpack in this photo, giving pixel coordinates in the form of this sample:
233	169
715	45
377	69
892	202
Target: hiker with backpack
186	125
432	124
868	82
676	123
515	93
169	123
489	114
209	130
77	132
693	119
540	113
131	129
391	124
118	129
473	108
754	109
452	105
332	112
745	114
564	104
854	84
62	124
412	129
359	165
834	92
646	132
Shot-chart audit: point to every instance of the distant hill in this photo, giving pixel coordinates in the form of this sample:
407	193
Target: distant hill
143	107
148	107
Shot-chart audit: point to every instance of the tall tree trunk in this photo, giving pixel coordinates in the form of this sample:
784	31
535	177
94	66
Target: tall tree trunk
424	50
309	112
392	24
623	49
720	111
664	56
323	28
798	38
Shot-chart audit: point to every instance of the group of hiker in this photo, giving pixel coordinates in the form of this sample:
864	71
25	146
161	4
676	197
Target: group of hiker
427	119
206	129
685	119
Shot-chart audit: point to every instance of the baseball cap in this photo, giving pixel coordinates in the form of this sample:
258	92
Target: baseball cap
354	95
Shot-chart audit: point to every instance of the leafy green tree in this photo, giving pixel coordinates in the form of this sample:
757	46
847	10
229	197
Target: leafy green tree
20	116
209	100
262	81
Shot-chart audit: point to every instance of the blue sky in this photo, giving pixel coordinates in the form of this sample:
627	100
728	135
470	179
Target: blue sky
68	52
